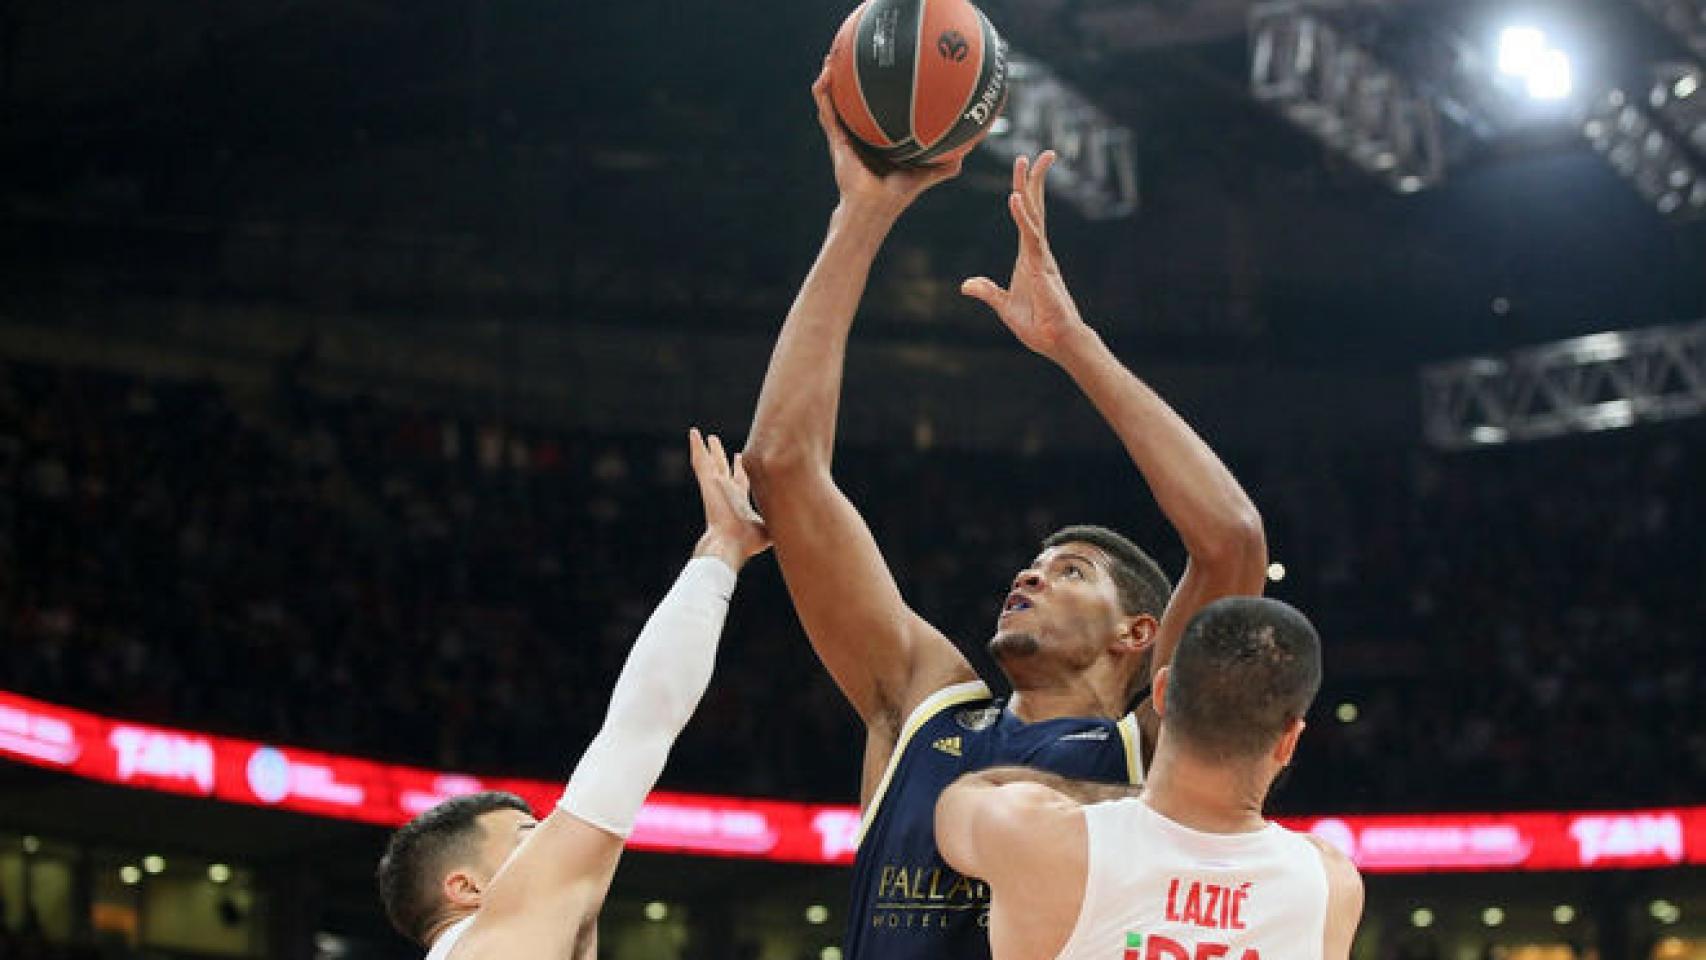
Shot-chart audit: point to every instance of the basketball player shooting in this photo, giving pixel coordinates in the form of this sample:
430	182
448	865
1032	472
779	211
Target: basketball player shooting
1189	869
1083	623
475	877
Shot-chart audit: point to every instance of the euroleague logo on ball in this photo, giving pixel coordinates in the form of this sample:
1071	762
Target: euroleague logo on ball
952	46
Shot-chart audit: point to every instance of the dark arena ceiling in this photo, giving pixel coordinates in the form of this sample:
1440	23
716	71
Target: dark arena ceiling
655	162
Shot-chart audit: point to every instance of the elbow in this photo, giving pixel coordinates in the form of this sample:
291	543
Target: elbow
1240	542
773	464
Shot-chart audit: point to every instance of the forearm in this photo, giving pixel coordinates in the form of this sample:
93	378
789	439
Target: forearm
1204	502
661	684
797	406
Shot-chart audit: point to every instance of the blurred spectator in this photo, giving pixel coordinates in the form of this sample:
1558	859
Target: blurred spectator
1510	627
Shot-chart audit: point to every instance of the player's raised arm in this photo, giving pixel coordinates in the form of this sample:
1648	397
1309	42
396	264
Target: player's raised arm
543	900
1214	517
882	655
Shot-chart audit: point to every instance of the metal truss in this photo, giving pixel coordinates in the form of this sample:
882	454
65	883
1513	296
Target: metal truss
1600	382
1097	167
1686	19
1323	79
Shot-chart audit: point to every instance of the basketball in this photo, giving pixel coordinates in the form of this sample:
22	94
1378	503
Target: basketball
918	81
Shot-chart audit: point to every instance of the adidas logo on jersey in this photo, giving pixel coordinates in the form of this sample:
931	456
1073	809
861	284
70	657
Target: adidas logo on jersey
948	745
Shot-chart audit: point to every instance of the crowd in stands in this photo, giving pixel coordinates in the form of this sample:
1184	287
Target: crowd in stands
1509	628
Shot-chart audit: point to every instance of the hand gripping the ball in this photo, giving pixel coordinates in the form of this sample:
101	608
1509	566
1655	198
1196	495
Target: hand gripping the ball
887	191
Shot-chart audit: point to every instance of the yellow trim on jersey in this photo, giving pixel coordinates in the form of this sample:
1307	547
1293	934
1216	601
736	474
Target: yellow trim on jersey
933	704
1133	738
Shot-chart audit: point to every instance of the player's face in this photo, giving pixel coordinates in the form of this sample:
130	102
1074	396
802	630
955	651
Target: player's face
1064	606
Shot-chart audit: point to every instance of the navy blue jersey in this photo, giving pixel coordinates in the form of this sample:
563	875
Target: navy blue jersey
909	905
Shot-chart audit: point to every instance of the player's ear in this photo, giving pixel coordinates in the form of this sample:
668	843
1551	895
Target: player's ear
1158	690
1287	745
462	888
1137	633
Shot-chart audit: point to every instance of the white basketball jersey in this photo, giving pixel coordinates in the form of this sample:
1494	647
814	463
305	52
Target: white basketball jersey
446	941
1158	890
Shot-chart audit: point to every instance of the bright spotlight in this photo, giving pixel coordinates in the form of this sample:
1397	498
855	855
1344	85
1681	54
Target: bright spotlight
1493	916
657	910
1276	571
1520	50
1422	917
1563	913
1551	77
817	913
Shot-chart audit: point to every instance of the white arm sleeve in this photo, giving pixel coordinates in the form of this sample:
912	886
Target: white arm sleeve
667	672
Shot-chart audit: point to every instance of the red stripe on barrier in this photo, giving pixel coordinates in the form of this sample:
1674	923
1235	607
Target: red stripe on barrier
322	784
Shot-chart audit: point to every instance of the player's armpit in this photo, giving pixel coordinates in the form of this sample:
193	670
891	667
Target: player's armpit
1344	900
885	657
561	871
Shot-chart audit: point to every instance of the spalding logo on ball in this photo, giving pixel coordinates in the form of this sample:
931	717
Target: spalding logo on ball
918	81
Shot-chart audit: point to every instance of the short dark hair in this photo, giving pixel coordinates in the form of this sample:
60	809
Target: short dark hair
1245	668
1143	587
421	849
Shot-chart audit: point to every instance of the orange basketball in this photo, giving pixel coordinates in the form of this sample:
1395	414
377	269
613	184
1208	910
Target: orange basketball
918	81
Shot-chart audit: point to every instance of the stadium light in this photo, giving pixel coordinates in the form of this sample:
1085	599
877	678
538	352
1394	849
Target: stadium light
1347	712
657	910
32	845
1563	913
129	875
1422	917
219	873
1493	916
1525	54
154	864
1276	571
1520	50
1552	78
817	914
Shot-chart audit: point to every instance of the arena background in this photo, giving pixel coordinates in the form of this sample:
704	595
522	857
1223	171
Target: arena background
346	351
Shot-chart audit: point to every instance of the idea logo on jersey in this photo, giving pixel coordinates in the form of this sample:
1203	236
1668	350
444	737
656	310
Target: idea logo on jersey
1154	946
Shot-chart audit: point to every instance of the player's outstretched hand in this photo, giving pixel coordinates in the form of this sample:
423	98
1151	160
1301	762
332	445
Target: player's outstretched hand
1035	305
733	529
888	192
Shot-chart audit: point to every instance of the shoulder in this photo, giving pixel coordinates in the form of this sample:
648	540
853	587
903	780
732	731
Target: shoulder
1344	881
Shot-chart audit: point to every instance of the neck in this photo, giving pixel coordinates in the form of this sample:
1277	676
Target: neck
1079	696
442	924
1212	797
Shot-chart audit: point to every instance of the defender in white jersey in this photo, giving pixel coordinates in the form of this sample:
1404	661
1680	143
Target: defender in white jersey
476	878
1189	869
